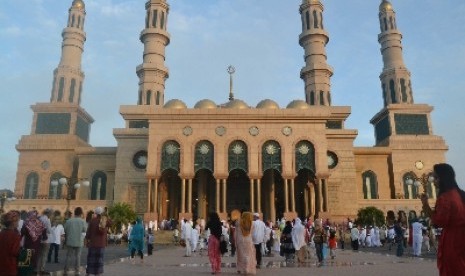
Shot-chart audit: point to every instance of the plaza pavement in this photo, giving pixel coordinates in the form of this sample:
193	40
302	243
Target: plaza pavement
169	260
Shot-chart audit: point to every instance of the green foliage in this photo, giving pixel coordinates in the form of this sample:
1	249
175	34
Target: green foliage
121	214
370	216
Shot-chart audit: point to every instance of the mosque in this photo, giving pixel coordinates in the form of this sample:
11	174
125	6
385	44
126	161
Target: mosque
174	161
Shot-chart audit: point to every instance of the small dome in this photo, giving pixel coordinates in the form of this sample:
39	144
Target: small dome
385	6
175	104
237	104
298	104
78	4
205	104
268	104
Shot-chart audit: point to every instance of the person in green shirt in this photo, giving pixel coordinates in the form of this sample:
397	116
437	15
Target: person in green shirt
75	229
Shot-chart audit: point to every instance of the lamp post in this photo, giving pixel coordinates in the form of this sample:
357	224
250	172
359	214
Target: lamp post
423	180
4	199
72	185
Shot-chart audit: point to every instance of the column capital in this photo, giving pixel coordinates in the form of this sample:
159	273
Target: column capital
322	175
220	176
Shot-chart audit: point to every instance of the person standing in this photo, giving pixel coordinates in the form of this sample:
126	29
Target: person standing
195	237
74	229
399	236
33	231
245	250
9	240
45	243
150	242
332	244
186	235
137	241
58	234
96	241
287	246
299	241
215	227
449	215
354	236
417	237
319	238
258	237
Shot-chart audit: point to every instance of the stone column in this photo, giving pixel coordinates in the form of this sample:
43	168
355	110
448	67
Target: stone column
259	195
218	195
224	195
155	196
325	189
286	196
251	195
183	196
189	196
149	195
320	196
292	195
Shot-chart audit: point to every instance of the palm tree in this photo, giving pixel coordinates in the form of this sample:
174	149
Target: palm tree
121	214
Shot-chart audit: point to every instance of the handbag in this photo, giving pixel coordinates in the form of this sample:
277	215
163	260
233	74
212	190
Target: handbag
25	261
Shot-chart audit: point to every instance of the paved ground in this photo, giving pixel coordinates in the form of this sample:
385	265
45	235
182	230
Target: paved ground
169	260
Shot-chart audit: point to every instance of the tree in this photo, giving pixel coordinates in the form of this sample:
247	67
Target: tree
121	214
370	216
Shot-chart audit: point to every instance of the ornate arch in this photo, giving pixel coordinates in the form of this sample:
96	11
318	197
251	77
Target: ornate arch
170	156
237	156
55	192
32	186
370	185
271	156
204	156
98	186
304	156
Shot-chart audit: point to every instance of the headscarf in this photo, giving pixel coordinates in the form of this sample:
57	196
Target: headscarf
137	235
33	225
298	234
288	228
246	223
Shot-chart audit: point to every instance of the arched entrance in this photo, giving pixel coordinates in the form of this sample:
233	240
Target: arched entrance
272	194
169	196
305	193
203	194
238	191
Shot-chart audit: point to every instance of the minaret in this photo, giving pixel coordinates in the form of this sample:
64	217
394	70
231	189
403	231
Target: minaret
395	78
316	73
152	72
68	77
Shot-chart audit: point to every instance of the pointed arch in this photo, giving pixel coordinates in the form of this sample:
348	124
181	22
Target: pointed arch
61	88
410	190
304	156
170	156
71	90
237	156
315	19
148	97
393	91
271	156
32	186
370	185
307	19
204	156
98	186
55	192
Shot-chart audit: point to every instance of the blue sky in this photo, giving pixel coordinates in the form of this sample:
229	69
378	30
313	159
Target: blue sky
260	38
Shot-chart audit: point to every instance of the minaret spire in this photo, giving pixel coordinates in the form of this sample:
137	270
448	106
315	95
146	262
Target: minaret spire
231	71
152	72
395	78
68	77
317	73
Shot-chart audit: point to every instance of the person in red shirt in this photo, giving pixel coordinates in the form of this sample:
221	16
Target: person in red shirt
9	243
332	244
449	214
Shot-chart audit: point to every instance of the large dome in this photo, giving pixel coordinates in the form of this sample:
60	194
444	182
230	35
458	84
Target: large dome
175	104
236	104
205	104
78	4
298	104
268	104
385	6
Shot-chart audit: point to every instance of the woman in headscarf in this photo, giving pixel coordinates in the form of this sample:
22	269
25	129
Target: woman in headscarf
287	246
449	214
33	231
299	232
137	240
9	241
96	240
245	249
214	226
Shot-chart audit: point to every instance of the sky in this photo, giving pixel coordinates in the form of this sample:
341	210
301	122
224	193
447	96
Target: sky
258	37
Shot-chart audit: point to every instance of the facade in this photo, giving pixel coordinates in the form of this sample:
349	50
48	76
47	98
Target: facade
172	161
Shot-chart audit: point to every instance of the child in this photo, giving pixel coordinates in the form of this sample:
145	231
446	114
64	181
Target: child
150	242
332	244
426	240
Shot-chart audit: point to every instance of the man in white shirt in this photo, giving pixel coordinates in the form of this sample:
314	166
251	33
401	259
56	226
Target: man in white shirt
58	234
258	237
354	236
45	245
417	238
186	235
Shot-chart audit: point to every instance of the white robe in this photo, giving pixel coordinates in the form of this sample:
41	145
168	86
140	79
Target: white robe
298	235
195	239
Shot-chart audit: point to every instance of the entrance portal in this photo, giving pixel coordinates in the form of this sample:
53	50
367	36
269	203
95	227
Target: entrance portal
272	195
238	191
169	195
204	191
305	193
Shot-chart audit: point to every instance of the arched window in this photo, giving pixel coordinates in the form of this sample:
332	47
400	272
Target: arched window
403	89
80	92
148	97
384	95
329	98
55	192
72	20
237	156
370	185
312	98
393	91
385	24
391	23
32	186
410	190
271	156
147	19
307	19
155	18
71	90
61	87
321	20
157	100
162	20
204	156
139	101
304	156
170	156
79	22
99	186
322	98
315	20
